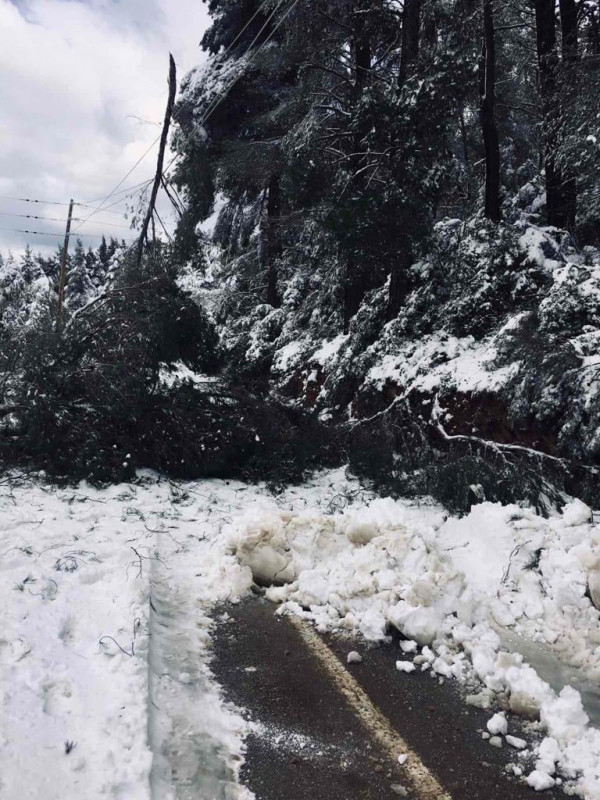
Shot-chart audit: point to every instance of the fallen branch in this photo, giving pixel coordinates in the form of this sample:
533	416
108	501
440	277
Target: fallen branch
501	448
112	639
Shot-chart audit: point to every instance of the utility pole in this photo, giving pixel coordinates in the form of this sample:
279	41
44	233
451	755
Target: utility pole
63	265
161	158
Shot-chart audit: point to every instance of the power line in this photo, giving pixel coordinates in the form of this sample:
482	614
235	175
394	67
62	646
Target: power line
85	205
209	111
122	181
250	21
218	100
230	45
123	199
220	96
46	233
57	219
211	108
30	216
97	222
44	202
31	200
122	191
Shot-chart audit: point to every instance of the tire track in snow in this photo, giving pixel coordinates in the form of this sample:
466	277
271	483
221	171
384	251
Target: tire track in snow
193	736
422	782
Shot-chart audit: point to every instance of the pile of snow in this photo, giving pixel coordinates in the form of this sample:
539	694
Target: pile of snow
451	587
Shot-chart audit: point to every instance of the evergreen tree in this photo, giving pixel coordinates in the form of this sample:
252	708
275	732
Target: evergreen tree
346	128
91	265
103	255
80	287
30	270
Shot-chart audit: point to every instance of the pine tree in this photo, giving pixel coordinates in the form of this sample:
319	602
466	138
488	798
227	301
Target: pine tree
29	267
80	287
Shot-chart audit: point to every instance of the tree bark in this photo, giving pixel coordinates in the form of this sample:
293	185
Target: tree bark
488	116
409	54
430	33
362	64
357	273
411	24
273	243
399	283
548	65
463	134
568	25
569	35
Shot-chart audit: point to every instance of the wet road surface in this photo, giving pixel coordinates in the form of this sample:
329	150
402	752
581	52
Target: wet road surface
327	730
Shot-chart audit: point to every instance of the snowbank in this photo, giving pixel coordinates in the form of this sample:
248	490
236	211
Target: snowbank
451	586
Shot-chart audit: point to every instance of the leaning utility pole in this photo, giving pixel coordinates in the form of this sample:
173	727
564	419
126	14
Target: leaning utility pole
63	265
161	158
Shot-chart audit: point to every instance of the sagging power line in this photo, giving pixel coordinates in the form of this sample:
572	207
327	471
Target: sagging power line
213	105
121	191
162	178
122	181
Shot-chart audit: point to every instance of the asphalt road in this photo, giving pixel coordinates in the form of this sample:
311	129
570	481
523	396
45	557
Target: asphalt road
328	730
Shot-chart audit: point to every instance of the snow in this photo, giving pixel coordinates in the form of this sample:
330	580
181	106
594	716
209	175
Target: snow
73	649
498	725
353	657
453	586
77	659
576	513
441	358
78	663
540	780
175	374
288	356
516	742
408	646
538	245
328	351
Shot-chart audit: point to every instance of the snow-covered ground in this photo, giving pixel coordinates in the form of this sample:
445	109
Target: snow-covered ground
105	647
102	645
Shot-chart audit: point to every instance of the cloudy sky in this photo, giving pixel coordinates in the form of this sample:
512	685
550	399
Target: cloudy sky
83	87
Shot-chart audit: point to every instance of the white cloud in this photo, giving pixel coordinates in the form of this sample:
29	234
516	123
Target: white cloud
80	81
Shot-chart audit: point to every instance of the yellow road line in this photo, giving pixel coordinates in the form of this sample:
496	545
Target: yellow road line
420	780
